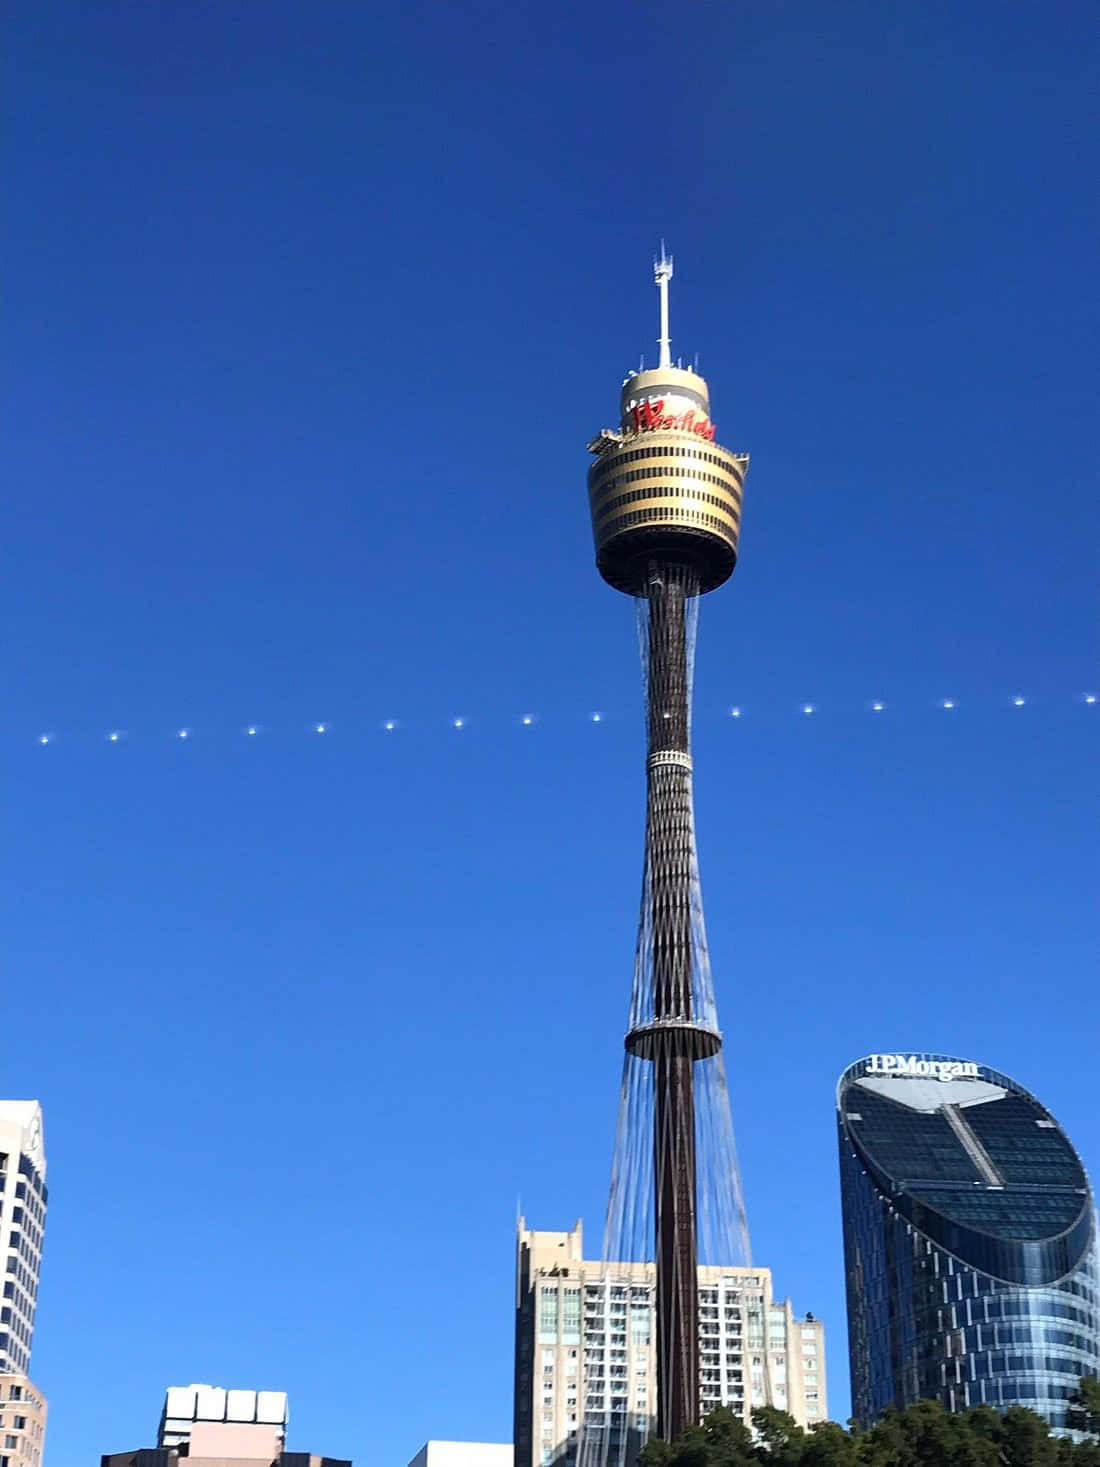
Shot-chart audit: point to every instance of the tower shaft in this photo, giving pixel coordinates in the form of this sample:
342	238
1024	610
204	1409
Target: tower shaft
670	858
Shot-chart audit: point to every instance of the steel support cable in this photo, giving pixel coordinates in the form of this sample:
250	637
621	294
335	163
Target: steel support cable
676	1192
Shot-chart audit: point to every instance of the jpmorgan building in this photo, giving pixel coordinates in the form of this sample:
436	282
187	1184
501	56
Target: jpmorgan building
969	1240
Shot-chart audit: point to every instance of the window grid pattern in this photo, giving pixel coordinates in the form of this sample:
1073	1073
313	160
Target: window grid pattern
677	475
682	514
677	492
611	463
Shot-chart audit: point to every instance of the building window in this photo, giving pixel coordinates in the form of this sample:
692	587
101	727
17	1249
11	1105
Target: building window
548	1315
571	1316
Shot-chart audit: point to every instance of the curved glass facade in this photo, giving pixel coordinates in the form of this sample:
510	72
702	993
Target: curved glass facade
970	1241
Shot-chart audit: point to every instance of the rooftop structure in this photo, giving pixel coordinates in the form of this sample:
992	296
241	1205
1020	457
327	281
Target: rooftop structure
187	1406
969	1238
207	1426
463	1454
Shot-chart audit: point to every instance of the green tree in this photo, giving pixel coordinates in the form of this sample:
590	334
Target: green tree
1021	1438
720	1440
829	1445
1084	1406
925	1434
778	1437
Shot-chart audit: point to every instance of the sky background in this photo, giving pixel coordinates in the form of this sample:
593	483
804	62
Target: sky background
311	311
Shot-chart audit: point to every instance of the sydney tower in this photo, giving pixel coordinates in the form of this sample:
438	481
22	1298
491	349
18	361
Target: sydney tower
666	514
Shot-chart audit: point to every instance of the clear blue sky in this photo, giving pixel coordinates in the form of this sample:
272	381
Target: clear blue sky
311	310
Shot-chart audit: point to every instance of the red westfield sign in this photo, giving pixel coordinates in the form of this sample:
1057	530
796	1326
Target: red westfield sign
648	415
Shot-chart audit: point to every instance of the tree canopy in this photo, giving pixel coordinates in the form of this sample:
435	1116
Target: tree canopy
925	1434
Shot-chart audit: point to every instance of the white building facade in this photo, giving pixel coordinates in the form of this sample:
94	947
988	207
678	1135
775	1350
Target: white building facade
463	1454
22	1222
586	1349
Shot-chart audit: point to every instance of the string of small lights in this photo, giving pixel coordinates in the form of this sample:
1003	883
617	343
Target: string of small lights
533	720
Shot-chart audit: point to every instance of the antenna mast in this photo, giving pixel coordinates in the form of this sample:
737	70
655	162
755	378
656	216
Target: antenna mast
662	274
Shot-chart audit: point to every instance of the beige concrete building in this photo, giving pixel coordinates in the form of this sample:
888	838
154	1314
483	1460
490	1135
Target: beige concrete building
586	1350
22	1421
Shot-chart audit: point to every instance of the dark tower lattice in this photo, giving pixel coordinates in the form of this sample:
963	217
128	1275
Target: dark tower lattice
666	514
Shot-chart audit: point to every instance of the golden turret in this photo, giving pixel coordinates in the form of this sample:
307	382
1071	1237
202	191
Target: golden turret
661	488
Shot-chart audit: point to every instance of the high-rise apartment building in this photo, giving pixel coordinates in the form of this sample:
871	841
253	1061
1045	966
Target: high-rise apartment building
586	1348
22	1422
22	1220
969	1240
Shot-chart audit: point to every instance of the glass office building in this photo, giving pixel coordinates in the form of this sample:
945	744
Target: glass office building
970	1241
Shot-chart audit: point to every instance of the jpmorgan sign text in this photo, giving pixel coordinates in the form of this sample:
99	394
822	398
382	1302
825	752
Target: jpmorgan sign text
911	1064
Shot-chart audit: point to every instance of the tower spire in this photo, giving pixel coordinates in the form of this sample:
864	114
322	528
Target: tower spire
662	274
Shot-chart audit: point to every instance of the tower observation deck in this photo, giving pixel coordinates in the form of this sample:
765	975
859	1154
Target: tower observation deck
665	500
